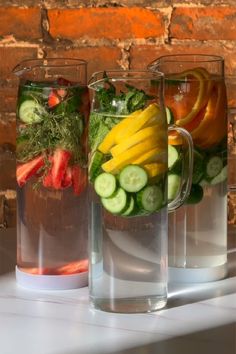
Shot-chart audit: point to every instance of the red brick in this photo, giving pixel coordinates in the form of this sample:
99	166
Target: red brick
141	56
109	23
7	129
22	23
98	58
11	56
204	23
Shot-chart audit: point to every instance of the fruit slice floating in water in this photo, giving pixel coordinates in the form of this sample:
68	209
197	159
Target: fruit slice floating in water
189	99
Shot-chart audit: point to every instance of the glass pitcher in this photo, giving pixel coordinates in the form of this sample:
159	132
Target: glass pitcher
128	191
195	97
51	173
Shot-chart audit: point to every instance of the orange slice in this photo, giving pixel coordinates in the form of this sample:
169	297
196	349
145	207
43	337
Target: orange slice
186	99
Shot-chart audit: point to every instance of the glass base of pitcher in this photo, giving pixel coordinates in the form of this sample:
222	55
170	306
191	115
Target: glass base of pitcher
197	275
51	282
129	305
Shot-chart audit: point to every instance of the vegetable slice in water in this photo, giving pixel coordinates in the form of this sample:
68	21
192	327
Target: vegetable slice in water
150	198
117	203
173	156
174	182
30	111
105	185
133	178
214	166
196	194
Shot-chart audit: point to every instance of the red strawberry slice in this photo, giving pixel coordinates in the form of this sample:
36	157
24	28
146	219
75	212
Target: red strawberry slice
79	179
74	267
67	179
47	180
60	162
53	99
28	169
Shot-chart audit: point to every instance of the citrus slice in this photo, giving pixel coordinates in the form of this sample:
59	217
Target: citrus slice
186	98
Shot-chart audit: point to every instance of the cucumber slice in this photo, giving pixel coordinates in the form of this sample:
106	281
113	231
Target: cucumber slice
105	185
133	178
169	116
198	167
196	194
117	203
95	164
174	182
173	156
130	208
221	177
214	166
150	198
31	111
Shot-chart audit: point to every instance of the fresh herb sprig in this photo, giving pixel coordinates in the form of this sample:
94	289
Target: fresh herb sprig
54	130
112	105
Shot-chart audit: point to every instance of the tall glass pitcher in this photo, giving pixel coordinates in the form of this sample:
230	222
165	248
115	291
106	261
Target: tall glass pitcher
52	116
128	191
195	97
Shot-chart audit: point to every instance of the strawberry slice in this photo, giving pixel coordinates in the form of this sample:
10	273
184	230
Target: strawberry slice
47	180
60	162
53	99
28	169
74	267
79	179
67	179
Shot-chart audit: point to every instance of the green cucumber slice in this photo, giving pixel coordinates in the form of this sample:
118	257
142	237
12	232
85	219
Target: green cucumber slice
133	178
196	194
169	116
105	185
213	166
174	182
221	177
173	156
150	198
31	111
117	203
130	208
96	161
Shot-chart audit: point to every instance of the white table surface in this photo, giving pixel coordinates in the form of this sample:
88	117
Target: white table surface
199	319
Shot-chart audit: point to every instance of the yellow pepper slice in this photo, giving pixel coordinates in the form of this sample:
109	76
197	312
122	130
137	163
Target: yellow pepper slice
151	113
138	137
155	155
118	162
109	139
154	169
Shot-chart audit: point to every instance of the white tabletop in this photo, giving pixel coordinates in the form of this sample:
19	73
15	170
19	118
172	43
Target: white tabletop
199	319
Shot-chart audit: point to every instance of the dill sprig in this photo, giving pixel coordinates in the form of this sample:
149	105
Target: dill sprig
62	130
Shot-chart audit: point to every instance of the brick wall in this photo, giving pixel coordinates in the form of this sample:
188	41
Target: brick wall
108	34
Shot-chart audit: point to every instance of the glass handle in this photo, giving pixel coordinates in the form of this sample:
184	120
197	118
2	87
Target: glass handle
187	169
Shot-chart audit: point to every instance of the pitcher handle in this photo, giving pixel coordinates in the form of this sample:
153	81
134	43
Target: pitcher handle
187	169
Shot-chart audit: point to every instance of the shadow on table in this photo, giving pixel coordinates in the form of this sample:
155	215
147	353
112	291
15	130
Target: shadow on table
219	340
185	293
7	250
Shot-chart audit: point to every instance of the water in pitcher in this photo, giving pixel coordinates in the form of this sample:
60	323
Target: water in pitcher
52	177
198	230
198	233
129	261
51	231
